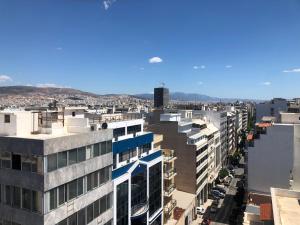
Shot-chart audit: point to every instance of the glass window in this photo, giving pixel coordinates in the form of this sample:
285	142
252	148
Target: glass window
81	154
96	208
64	222
81	217
34	164
62	159
72	156
73	219
90	212
89	153
26	199
61	194
6	160
109	147
53	199
16	200
96	150
8	195
95	177
6	118
89	182
103	147
35	201
52	162
80	185
72	189
26	163
103	204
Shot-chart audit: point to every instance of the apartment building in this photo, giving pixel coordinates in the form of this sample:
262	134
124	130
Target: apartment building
55	170
219	120
137	170
271	108
193	144
231	133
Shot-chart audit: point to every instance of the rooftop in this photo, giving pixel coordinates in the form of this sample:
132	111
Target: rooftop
286	207
184	199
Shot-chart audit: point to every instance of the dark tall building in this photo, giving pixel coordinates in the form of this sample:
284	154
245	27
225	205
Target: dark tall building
161	97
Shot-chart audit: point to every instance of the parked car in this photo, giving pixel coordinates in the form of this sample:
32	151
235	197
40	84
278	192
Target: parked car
200	210
218	194
215	203
213	209
222	190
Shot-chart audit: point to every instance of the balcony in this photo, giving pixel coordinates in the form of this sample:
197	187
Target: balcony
139	209
170	157
168	191
170	206
169	174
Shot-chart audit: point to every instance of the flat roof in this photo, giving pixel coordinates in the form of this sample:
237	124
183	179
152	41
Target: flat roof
184	199
286	206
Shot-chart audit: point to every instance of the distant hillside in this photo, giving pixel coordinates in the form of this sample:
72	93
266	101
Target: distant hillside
180	96
191	97
31	90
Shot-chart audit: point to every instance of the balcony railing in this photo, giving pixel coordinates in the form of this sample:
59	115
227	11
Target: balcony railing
170	173
169	158
169	189
139	209
170	206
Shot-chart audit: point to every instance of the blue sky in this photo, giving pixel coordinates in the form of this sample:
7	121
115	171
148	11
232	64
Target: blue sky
232	48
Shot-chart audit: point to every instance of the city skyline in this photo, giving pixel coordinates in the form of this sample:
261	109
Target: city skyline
231	50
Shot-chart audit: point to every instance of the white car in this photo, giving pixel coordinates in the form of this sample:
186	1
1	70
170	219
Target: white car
200	210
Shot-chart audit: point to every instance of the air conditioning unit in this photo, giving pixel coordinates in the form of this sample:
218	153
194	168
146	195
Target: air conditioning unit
95	127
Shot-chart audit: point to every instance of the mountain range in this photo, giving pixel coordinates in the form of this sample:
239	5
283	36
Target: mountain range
50	91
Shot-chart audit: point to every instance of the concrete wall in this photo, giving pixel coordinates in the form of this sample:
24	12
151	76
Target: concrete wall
271	159
293	118
186	155
264	109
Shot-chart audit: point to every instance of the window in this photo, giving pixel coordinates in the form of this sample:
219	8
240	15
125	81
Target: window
6	160
35	201
90	213
72	156
26	199
16	197
89	153
95	177
109	147
102	204
6	118
16	162
52	162
8	195
96	208
81	154
64	222
62	159
81	217
103	147
80	183
73	219
96	150
89	182
72	189
53	199
61	195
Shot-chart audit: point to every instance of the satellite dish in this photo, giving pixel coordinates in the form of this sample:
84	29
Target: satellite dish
104	126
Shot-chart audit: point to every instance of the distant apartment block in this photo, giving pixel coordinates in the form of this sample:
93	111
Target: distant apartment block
54	169
271	108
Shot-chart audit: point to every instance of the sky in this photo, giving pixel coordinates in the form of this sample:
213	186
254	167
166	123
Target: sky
221	48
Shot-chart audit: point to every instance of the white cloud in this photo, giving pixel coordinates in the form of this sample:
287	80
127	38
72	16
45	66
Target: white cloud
59	48
155	60
142	68
228	66
108	3
199	82
199	67
266	83
5	78
297	70
50	85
